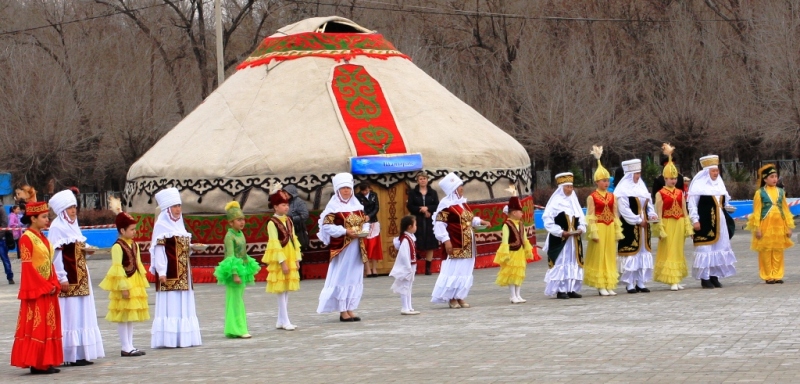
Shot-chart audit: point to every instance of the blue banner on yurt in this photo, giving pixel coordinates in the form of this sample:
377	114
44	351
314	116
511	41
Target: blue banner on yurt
5	184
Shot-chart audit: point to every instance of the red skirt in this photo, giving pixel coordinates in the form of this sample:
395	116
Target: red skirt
374	248
37	342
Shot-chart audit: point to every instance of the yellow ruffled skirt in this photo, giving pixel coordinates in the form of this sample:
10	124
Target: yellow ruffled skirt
671	265
773	234
512	265
277	281
600	263
135	307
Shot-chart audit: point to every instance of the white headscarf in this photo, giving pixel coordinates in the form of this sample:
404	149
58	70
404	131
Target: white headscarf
627	187
560	202
63	231
703	185
450	185
337	204
167	226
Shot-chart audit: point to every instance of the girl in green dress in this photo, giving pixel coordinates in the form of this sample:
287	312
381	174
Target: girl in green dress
235	271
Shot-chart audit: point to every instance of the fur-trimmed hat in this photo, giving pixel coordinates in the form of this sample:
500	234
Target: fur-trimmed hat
124	220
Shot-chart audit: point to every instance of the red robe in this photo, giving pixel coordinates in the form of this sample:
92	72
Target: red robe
37	342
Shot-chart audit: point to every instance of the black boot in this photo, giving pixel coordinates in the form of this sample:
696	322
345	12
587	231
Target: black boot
562	295
706	284
427	267
574	295
715	282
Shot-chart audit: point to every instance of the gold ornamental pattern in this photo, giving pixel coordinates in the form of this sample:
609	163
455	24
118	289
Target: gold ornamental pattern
81	288
181	283
465	252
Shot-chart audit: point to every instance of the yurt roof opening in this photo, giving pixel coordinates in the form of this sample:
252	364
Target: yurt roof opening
310	98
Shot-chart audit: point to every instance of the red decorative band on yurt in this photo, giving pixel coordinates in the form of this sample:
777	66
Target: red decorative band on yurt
337	46
364	112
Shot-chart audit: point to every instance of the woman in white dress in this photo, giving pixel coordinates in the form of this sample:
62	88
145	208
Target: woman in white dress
634	255
175	323
452	226
707	198
565	222
342	226
81	337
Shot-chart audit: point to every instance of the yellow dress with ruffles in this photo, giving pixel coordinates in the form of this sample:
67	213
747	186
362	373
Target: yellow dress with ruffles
773	226
135	307
277	282
600	264
670	266
512	263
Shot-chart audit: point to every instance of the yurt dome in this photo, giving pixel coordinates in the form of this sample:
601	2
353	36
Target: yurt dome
313	95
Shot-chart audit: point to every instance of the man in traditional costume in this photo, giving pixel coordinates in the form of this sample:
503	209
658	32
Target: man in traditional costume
634	258
127	284
342	227
452	226
81	337
673	228
175	323
605	228
37	342
708	198
565	222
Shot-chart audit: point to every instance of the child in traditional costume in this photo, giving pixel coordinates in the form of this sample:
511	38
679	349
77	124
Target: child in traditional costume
452	226
634	259
771	225
282	257
708	201
605	228
127	284
341	228
175	323
37	341
515	249
565	222
673	229
236	271
81	336
405	265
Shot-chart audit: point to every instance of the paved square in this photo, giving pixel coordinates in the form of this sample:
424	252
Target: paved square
744	332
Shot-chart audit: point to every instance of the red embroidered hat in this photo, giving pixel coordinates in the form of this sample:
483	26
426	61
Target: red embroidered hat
36	208
124	220
514	204
278	195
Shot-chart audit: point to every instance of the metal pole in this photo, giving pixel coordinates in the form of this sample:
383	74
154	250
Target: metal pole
220	54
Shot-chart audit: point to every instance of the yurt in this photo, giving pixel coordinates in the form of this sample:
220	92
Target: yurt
322	96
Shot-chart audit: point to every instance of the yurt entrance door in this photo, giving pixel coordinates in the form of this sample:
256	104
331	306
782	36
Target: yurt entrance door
392	202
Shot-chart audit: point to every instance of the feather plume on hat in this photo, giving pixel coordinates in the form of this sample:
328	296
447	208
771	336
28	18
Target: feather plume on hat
670	171
601	173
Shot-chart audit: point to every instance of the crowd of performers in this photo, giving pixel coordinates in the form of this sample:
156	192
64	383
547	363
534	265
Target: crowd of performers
57	322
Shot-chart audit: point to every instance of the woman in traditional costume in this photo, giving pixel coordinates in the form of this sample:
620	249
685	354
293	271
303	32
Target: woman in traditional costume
707	200
514	252
605	228
565	222
236	271
282	257
126	282
453	228
342	227
81	337
634	259
673	228
405	265
175	323
771	225
37	341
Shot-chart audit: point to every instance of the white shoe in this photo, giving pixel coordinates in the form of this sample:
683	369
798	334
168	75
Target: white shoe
289	327
409	312
278	326
603	292
521	300
681	286
611	293
673	287
514	300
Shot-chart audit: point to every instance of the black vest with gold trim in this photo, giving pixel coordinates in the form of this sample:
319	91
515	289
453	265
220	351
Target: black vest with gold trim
632	242
556	244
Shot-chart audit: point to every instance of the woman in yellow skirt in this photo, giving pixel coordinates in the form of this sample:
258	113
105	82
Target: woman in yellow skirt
771	225
600	267
673	229
127	285
515	249
282	257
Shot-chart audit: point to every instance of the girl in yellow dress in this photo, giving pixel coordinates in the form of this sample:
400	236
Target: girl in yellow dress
282	257
673	229
127	285
514	251
771	225
600	268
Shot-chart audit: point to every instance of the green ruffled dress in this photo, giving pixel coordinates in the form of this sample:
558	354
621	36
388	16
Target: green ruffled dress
236	262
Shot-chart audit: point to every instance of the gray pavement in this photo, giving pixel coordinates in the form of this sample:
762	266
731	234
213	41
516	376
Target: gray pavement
745	332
